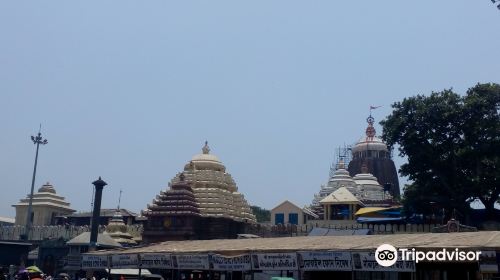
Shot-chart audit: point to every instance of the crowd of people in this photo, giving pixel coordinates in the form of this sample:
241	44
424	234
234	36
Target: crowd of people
32	273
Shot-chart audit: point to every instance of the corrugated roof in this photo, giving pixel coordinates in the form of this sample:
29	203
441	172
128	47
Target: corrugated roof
309	212
105	213
489	240
337	232
103	240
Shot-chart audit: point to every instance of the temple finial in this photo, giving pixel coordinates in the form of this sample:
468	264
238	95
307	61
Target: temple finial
370	130
341	164
205	148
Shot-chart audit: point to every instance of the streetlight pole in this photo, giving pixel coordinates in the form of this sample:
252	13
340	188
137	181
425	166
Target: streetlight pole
37	140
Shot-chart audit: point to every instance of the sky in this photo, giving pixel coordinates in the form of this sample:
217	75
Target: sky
130	90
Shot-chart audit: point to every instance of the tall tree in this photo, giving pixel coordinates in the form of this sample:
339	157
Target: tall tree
261	214
481	137
452	144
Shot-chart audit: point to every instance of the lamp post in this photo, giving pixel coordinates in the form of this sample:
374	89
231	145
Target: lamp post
99	185
37	140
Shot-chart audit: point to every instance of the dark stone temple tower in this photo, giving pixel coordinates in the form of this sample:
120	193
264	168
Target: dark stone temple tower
174	215
374	154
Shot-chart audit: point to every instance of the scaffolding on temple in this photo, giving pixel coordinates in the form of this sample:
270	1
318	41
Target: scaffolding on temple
343	153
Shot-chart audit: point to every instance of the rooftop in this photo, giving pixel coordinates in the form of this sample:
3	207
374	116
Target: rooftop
106	213
482	240
103	240
340	196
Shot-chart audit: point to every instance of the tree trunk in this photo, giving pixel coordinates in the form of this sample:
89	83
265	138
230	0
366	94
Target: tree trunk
489	205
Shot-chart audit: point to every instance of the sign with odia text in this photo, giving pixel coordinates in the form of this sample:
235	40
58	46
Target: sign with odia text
325	260
275	261
161	261
190	262
488	262
94	261
125	261
236	263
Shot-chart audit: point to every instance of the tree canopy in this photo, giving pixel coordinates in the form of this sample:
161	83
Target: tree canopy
452	144
261	214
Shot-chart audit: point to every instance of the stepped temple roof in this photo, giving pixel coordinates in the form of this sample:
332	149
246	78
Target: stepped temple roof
46	196
178	201
214	189
117	229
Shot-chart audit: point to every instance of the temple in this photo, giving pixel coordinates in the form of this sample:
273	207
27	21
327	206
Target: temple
372	152
117	229
203	203
174	215
359	186
47	205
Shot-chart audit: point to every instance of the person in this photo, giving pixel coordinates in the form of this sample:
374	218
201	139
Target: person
35	276
22	275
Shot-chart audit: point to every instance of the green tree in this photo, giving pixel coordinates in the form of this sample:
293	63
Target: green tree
452	144
261	214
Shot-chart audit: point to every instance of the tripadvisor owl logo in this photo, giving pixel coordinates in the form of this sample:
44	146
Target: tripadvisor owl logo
386	255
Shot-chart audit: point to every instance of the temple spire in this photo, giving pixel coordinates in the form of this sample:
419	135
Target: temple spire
206	148
370	130
341	164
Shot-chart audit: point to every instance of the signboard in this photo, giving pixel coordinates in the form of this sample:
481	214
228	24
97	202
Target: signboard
94	261
73	262
331	261
236	263
275	261
162	261
488	262
190	262
125	261
365	261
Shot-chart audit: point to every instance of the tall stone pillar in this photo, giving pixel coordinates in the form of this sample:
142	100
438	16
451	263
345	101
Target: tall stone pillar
99	185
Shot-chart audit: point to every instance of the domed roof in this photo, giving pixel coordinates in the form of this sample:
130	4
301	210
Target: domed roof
117	229
205	161
47	188
370	142
340	174
366	179
214	189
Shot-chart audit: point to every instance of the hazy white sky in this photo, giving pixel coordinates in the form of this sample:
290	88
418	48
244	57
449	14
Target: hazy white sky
130	90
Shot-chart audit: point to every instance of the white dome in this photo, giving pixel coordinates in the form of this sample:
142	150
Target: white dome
369	144
205	161
214	188
47	188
